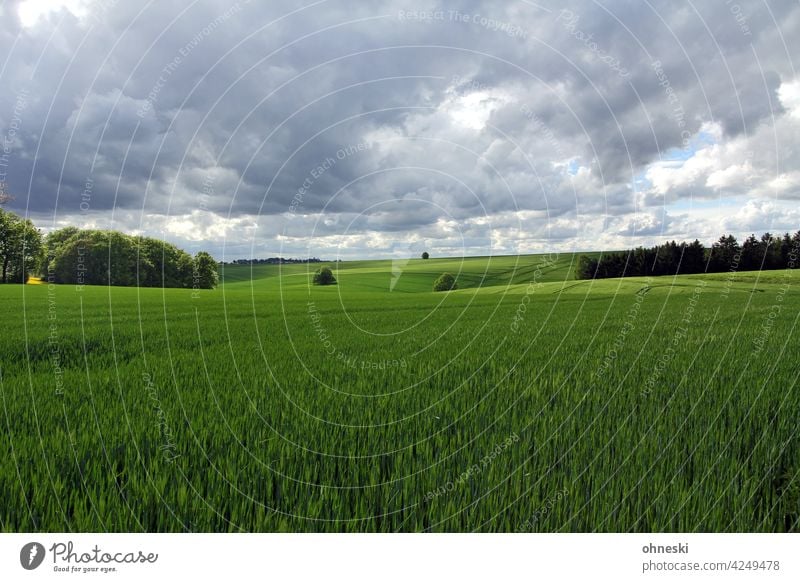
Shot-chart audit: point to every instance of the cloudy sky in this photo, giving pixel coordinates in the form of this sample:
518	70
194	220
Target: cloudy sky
343	129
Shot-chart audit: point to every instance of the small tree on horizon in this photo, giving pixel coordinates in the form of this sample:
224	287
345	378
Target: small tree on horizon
425	255
324	276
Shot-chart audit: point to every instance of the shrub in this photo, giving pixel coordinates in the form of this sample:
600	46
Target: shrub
324	276
445	282
425	255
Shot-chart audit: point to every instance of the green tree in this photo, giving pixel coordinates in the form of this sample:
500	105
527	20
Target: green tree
445	282
52	242
8	230
162	264
186	270
792	251
586	268
205	271
121	262
639	262
425	255
693	259
772	251
786	249
725	255
20	248
324	276
753	251
100	257
56	238
96	257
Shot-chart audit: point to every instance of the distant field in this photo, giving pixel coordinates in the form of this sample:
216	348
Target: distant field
417	275
524	401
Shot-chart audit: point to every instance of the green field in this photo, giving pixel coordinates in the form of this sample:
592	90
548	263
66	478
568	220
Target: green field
524	401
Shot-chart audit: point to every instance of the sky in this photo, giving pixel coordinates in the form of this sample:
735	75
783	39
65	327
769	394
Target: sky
349	130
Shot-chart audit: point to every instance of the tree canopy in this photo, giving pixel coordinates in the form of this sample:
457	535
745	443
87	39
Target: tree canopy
324	276
107	257
20	248
98	257
767	252
445	282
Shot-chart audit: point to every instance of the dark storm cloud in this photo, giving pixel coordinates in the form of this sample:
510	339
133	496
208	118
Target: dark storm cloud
239	109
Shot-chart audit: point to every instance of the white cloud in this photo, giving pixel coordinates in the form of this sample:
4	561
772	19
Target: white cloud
733	176
734	166
30	11
200	225
789	94
786	185
763	215
473	109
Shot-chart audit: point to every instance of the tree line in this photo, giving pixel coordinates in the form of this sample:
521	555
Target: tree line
275	261
765	253
98	257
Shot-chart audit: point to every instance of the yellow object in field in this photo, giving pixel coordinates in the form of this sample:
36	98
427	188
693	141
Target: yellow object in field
34	281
